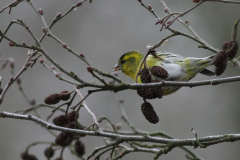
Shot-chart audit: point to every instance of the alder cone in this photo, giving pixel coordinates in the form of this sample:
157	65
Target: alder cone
149	113
26	156
220	58
72	125
146	93
145	76
219	70
159	72
71	116
150	93
157	92
49	152
64	95
64	139
79	148
231	48
220	61
52	99
60	121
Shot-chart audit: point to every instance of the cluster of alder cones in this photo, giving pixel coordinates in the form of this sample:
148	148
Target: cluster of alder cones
229	50
147	76
68	120
65	138
55	98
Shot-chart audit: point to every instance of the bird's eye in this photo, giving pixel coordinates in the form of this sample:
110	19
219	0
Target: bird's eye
123	61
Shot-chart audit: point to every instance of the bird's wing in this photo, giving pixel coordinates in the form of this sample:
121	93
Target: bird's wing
207	72
166	54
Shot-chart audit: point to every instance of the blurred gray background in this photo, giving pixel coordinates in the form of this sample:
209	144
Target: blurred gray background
103	31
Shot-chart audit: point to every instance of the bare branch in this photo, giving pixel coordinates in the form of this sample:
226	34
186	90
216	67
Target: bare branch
89	111
13	79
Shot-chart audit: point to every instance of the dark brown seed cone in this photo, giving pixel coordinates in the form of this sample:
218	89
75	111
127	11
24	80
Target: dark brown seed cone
23	155
146	93
81	127
60	121
150	93
159	72
49	152
225	45
220	61
26	156
157	91
145	76
52	99
32	157
231	48
64	95
219	58
149	113
71	116
1	90
219	70
79	148
64	139
72	125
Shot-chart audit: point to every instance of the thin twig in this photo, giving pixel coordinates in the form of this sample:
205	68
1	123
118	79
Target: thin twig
13	79
14	4
97	149
89	92
186	25
182	14
112	125
89	111
36	143
234	2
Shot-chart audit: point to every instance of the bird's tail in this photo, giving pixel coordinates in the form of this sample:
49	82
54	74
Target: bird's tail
210	58
199	65
204	63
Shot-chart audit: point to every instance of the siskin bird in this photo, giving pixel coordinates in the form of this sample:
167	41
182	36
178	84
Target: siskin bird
178	67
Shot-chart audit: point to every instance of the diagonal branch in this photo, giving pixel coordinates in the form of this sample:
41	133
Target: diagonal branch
89	111
13	79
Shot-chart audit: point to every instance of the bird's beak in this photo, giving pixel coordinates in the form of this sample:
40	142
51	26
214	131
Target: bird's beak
117	67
